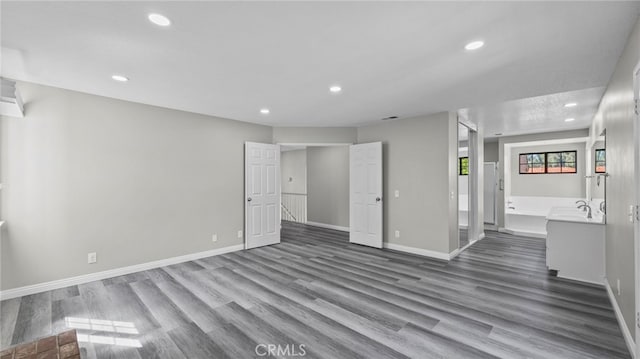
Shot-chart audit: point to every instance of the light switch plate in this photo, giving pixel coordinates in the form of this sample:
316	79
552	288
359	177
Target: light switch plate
240	234
397	234
397	194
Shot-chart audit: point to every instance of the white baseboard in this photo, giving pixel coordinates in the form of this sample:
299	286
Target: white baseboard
460	250
418	251
330	226
455	253
628	338
481	236
62	283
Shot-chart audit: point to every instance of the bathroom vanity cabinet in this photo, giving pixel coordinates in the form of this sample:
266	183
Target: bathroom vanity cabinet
576	245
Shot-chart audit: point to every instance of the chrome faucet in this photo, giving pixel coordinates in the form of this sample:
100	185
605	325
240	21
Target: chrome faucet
603	207
584	203
586	208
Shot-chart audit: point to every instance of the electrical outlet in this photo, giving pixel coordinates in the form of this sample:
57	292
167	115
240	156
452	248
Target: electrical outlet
92	257
397	234
214	238
618	285
240	234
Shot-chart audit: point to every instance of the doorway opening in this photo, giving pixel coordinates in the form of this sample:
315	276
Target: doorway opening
539	175
467	185
315	185
342	190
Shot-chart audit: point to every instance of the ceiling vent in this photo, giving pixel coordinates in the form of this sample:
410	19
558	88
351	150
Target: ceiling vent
10	101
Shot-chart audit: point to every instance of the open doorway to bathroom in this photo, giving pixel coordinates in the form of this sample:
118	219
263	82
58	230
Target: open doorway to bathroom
540	175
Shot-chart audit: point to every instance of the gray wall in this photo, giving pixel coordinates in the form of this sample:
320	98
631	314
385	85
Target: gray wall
314	135
328	185
491	150
132	182
615	114
549	185
413	150
293	165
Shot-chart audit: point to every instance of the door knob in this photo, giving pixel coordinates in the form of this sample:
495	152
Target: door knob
249	199
378	199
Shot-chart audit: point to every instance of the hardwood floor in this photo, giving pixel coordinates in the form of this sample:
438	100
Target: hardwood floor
463	235
339	300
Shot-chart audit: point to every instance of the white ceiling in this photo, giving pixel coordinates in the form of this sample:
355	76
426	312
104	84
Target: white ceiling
230	59
537	114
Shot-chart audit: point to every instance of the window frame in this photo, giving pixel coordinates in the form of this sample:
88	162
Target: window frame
595	160
532	173
546	163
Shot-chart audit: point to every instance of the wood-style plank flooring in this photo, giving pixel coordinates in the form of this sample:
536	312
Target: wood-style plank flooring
339	300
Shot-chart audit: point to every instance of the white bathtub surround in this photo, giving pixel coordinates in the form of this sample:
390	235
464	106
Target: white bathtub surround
576	245
528	215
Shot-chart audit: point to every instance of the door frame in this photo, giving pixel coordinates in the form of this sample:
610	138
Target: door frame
636	225
475	230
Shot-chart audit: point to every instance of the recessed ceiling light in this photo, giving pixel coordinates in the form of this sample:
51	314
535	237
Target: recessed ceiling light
264	111
120	78
498	134
474	45
570	104
335	88
159	20
569	120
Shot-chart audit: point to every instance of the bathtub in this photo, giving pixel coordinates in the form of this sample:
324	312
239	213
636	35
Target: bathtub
527	216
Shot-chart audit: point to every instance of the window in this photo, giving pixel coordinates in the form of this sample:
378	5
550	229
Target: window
548	162
561	162
463	166
532	163
601	161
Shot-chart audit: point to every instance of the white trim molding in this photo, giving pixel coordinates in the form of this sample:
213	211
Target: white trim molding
329	226
62	283
628	338
418	251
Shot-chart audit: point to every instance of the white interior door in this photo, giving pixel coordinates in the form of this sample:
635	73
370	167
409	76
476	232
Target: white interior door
365	194
490	186
262	194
